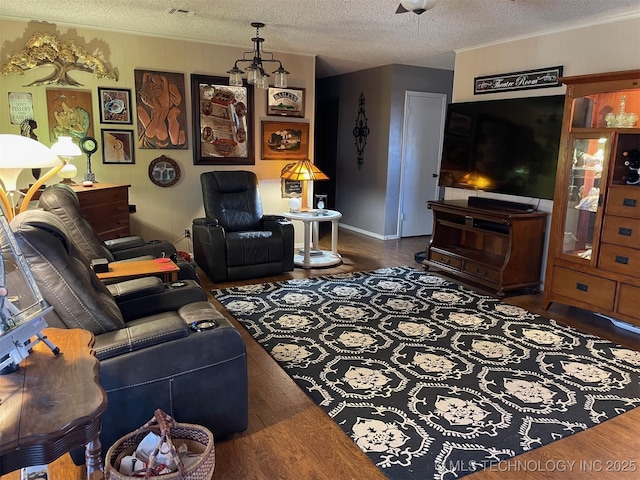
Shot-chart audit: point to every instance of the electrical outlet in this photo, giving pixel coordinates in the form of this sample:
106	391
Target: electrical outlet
187	233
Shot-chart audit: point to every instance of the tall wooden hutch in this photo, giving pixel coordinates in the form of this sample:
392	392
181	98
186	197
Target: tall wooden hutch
594	247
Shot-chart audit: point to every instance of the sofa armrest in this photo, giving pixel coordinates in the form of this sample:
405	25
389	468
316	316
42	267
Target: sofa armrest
124	243
206	222
139	334
209	248
276	224
172	296
135	259
156	248
137	287
284	228
274	218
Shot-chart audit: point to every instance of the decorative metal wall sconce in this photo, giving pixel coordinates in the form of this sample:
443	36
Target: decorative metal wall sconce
45	50
361	131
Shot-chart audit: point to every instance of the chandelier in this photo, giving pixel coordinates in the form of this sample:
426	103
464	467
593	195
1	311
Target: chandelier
255	71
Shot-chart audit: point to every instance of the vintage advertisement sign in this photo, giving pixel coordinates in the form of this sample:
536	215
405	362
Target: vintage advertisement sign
287	102
509	82
20	107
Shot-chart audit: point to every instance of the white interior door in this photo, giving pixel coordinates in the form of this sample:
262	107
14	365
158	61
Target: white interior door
424	115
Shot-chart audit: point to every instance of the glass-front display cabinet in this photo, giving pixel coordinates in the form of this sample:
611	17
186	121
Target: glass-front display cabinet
584	200
594	245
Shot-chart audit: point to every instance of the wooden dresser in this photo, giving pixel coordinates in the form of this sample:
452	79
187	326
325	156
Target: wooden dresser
106	208
594	248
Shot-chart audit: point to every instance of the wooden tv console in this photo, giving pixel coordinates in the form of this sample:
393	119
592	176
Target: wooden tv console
497	247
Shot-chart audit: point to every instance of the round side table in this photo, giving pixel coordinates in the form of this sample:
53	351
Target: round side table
311	256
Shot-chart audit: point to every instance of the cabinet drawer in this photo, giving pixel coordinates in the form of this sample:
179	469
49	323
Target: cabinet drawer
482	271
624	201
617	259
100	196
629	301
446	260
584	287
621	231
99	211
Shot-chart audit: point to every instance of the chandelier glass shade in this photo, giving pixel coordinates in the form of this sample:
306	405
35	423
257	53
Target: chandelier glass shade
256	74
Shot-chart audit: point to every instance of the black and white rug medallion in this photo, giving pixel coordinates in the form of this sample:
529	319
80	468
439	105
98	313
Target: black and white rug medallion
431	379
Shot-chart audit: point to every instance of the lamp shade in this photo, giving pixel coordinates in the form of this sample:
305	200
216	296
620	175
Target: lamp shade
18	152
65	147
303	170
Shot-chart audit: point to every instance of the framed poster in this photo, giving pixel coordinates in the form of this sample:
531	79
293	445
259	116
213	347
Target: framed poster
287	102
285	140
118	146
115	105
222	122
161	110
69	113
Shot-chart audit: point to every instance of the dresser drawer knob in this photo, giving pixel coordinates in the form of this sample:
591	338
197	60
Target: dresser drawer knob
582	287
622	260
629	202
625	231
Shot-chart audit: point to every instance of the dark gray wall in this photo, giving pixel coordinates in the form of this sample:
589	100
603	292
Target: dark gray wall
369	197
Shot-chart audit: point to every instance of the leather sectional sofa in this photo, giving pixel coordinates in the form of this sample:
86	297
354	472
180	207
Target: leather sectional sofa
147	361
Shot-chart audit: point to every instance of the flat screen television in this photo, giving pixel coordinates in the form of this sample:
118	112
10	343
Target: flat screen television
505	146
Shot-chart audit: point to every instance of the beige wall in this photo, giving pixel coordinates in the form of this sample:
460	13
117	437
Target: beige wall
607	47
161	212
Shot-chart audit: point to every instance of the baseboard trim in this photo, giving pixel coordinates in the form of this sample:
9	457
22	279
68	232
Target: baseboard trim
368	233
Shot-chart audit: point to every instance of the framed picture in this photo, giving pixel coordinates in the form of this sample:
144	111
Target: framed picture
69	113
164	171
285	140
161	110
287	102
115	105
118	146
222	122
290	188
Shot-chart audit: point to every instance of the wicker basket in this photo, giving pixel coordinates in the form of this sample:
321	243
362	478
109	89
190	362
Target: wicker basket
197	438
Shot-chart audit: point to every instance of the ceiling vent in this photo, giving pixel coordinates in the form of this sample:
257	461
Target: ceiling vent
180	11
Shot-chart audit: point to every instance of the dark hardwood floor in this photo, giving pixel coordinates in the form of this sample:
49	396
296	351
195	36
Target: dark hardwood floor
289	437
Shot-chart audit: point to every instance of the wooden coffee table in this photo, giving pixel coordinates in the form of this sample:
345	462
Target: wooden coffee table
141	268
52	404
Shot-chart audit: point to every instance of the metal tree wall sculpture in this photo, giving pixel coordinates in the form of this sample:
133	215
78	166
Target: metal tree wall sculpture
361	131
45	50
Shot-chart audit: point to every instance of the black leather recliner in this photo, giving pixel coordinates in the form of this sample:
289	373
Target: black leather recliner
62	201
155	361
236	241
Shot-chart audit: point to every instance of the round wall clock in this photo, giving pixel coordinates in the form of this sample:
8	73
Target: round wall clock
88	145
164	171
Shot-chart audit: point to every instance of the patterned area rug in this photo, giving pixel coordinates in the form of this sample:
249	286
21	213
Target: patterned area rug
431	379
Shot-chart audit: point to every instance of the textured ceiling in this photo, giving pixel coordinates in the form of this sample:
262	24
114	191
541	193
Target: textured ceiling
346	35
